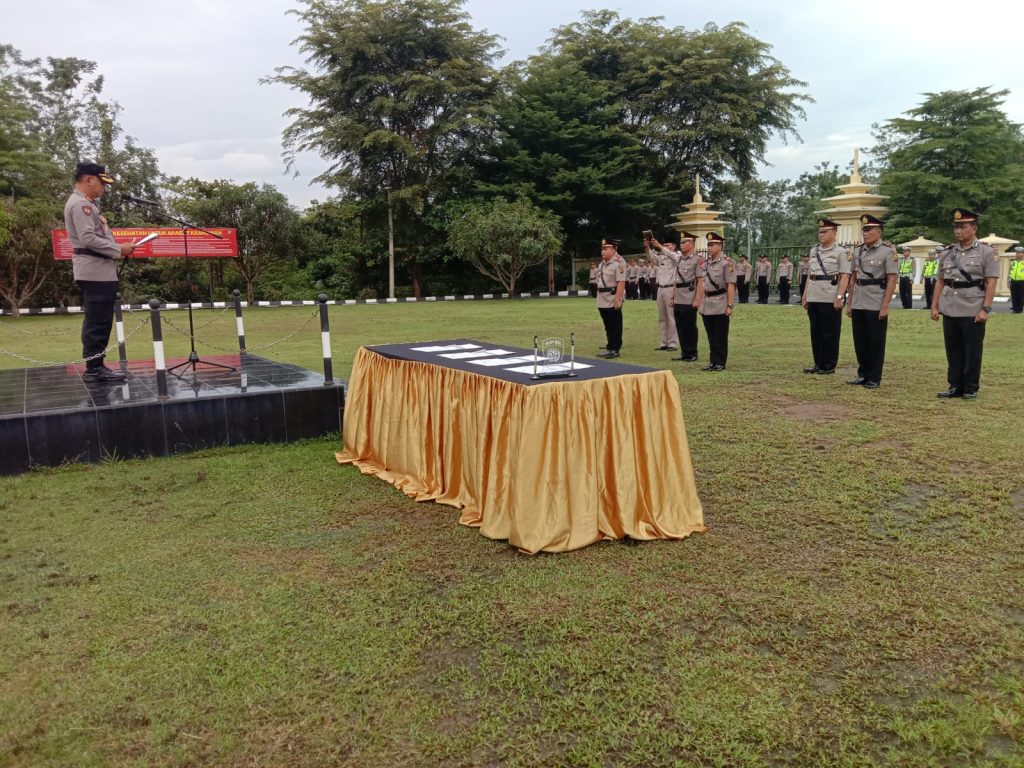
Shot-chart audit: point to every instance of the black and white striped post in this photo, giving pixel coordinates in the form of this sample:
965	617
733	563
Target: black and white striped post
238	321
325	338
122	353
158	348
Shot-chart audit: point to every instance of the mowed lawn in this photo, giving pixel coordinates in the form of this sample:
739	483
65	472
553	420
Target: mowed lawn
857	600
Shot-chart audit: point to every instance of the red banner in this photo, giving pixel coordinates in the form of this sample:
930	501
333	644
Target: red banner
169	245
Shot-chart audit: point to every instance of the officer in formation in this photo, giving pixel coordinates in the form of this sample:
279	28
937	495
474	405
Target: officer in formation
611	290
592	285
684	309
644	281
784	275
94	264
743	272
929	273
1016	280
802	272
907	279
966	285
716	291
763	271
872	282
632	280
828	275
665	256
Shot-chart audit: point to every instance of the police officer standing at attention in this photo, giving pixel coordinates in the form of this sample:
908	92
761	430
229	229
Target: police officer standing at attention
929	273
632	276
907	279
611	289
94	265
592	285
716	290
743	272
784	276
802	270
827	279
872	284
666	257
968	271
1016	280
764	278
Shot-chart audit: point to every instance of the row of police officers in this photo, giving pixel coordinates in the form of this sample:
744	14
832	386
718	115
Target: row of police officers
862	281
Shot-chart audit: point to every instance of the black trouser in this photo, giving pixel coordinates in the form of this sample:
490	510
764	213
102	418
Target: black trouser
929	289
1017	295
906	296
686	329
612	319
98	297
964	342
717	329
631	291
762	290
826	326
803	285
592	290
742	289
869	332
783	290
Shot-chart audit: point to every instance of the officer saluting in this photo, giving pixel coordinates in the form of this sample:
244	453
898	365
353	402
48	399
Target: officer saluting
611	287
716	289
94	263
827	277
964	289
872	283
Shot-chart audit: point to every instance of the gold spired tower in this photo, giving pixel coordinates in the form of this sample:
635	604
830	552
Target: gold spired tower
854	200
696	217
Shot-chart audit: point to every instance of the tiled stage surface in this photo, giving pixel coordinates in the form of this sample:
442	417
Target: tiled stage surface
49	416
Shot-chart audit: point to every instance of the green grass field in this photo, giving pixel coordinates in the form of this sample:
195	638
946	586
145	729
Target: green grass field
857	600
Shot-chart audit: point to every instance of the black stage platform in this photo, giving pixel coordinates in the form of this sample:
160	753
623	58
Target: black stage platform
49	416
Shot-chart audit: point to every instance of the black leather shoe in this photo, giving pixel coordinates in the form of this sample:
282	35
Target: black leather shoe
708	367
610	354
858	380
664	348
871	385
811	369
825	371
951	393
102	375
690	359
970	395
718	368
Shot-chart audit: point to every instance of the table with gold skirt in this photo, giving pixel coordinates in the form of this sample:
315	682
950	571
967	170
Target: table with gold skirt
550	465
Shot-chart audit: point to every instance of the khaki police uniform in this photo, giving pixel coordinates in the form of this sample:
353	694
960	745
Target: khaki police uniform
716	276
825	267
664	275
743	272
610	273
763	271
684	312
963	273
871	268
784	276
592	285
94	264
802	270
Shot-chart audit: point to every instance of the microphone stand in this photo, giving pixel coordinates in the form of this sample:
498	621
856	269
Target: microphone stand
193	356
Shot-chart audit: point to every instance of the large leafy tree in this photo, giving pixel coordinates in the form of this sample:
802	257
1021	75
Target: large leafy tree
401	98
503	239
26	258
957	148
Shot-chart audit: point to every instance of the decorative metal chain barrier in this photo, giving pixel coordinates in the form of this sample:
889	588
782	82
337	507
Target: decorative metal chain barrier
27	359
184	332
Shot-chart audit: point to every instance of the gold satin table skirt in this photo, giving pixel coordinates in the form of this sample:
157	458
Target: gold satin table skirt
550	467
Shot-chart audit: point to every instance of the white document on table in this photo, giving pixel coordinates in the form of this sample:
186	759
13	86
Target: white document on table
542	369
448	348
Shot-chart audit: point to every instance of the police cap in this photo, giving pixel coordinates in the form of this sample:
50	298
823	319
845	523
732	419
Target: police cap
93	169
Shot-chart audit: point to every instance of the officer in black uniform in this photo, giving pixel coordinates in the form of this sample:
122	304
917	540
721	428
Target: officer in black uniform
94	264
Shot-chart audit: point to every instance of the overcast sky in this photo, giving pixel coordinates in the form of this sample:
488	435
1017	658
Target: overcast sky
187	73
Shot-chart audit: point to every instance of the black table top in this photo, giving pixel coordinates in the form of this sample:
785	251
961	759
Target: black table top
500	361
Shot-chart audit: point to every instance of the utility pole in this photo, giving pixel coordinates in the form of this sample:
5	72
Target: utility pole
391	250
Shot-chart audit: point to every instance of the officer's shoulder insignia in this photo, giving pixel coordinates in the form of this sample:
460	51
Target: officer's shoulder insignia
731	267
87	210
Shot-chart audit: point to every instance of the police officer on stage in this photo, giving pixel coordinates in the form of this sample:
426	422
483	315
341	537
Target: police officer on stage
611	289
907	279
716	291
929	273
94	265
968	271
872	283
1016	280
827	278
